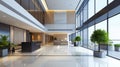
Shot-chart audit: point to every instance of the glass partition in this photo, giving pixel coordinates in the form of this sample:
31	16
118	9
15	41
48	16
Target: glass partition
114	35
110	1
100	4
90	31
91	8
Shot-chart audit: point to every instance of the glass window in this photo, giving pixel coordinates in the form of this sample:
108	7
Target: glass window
100	4
90	8
78	21
85	13
78	34
81	18
85	37
114	25
102	25
90	31
81	33
110	1
114	35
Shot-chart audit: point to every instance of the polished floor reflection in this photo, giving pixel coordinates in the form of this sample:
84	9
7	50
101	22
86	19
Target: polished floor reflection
58	50
70	59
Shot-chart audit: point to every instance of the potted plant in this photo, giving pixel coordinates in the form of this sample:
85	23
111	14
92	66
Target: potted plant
100	37
110	45
13	47
117	47
4	44
76	40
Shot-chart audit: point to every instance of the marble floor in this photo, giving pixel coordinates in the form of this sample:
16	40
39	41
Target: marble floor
58	56
66	50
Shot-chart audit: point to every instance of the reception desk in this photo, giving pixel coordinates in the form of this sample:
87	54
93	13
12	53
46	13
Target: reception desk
30	46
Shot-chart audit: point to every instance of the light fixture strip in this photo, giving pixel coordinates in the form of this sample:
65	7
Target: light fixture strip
44	4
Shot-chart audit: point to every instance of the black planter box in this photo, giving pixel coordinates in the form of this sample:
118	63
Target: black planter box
100	54
30	46
3	52
117	48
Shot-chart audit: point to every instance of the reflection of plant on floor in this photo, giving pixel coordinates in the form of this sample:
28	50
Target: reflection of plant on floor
117	47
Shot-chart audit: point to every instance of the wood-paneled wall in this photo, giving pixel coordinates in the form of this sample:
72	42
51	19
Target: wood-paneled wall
39	15
70	17
49	17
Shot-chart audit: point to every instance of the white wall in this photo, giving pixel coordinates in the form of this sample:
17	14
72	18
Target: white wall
63	21
21	10
60	17
17	35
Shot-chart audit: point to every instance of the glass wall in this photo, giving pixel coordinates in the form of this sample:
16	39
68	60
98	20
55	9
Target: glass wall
110	1
78	20
78	34
81	38
81	18
85	13
110	25
85	38
90	31
102	25
34	8
114	35
100	4
91	8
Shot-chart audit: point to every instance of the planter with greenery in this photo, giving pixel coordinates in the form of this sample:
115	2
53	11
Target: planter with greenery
110	47
76	40
12	45
117	47
4	44
100	37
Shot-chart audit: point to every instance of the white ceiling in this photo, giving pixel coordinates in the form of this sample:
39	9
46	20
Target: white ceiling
15	22
17	16
62	4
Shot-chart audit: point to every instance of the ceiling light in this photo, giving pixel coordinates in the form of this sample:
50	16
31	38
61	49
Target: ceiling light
61	10
44	4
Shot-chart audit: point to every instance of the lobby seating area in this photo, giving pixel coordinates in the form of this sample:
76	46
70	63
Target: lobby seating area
56	42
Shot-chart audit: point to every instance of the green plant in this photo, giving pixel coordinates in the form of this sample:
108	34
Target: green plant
110	42
117	45
4	41
110	45
12	45
99	36
77	38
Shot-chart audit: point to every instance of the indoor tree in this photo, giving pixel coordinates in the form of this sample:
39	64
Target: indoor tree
100	37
